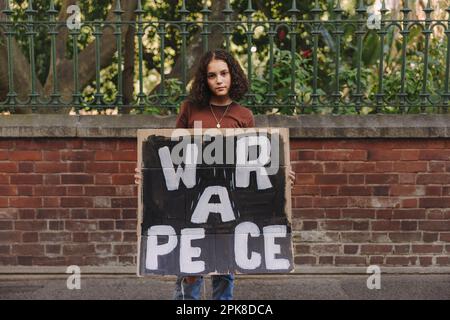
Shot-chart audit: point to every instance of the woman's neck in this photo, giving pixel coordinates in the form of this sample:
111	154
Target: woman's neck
220	101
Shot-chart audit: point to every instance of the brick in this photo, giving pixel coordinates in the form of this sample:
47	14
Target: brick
105	236
129	237
384	166
53	156
25	190
6	225
100	261
104	214
355	191
55	237
77	202
101	155
430	236
326	260
30	237
10	236
360	225
77	179
100	191
428	154
27	214
383	154
402	249
399	260
427	248
433	178
381	178
409	155
126	191
124	203
28	249
77	167
55	225
52	202
55	190
306	213
359	213
336	225
356	179
309	225
50	167
332	167
376	249
409	203
125	179
342	155
127	144
444	236
302	249
385	225
125	167
8	167
334	179
305	167
407	190
409	225
351	249
48	213
30	225
356	237
80	237
26	179
377	260
333	213
306	155
326	191
27	155
78	249
301	179
106	225
26	167
405	236
125	249
408	214
71	225
103	250
124	155
320	249
330	202
436	166
353	167
126	224
75	191
436	225
99	144
5	250
53	249
52	179
305	260
102	167
8	190
381	190
103	179
415	166
350	260
81	155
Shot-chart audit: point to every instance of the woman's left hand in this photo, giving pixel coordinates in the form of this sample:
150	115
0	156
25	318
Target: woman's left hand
292	177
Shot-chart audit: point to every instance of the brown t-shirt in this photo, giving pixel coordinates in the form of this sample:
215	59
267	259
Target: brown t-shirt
237	116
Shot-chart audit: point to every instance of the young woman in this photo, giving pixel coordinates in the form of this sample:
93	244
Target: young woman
218	83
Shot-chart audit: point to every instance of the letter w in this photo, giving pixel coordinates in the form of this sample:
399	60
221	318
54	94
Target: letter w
187	174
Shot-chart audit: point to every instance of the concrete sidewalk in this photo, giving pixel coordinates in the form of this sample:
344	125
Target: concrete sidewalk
283	287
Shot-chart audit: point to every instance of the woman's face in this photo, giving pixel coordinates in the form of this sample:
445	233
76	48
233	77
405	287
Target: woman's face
219	78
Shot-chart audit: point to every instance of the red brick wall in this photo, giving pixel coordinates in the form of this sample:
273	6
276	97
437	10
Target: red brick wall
355	202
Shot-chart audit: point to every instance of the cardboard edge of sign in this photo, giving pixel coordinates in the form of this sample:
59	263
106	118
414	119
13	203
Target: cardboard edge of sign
142	134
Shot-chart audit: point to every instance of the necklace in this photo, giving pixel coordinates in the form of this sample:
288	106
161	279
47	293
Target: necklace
218	121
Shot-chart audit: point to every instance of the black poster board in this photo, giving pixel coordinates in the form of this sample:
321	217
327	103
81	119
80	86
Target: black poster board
214	201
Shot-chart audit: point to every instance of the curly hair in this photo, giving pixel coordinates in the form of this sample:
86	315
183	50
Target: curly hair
200	92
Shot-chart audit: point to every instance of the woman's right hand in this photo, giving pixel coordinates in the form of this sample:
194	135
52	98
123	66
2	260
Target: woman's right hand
137	176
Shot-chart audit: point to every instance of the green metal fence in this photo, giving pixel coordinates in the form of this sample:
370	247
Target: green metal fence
332	75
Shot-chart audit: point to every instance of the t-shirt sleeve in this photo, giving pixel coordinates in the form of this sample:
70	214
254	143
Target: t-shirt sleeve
250	121
182	118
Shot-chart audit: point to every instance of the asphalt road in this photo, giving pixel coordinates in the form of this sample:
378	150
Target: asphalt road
292	287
